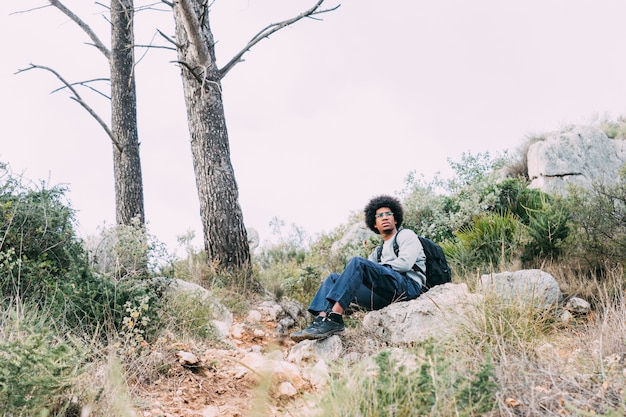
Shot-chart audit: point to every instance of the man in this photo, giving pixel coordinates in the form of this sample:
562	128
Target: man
371	283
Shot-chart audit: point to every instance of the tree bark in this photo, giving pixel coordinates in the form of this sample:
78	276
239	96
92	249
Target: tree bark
129	200
225	236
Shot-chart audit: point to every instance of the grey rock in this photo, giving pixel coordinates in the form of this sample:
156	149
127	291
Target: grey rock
437	313
580	155
530	286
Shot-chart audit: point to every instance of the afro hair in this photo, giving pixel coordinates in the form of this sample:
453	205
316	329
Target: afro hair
383	201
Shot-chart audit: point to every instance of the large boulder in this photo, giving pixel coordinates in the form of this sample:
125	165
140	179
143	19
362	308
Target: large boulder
437	313
527	286
580	155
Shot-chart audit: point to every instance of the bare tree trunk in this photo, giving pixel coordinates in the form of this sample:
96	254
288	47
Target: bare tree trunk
129	201
225	236
123	133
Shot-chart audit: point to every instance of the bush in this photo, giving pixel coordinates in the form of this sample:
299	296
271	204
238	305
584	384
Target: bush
291	268
37	368
38	242
598	219
491	241
188	316
42	261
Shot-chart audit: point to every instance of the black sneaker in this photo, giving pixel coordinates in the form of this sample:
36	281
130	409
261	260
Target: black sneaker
300	336
321	328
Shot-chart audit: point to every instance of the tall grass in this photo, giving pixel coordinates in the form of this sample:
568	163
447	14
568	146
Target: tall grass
422	380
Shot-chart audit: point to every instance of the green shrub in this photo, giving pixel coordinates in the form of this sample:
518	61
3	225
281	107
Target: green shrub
545	219
427	212
38	241
547	229
598	221
37	367
188	316
613	129
42	261
492	240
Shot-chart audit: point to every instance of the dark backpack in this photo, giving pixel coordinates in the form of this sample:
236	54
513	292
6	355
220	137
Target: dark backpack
437	269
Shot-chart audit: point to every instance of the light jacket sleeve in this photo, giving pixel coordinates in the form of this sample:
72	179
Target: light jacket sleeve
410	250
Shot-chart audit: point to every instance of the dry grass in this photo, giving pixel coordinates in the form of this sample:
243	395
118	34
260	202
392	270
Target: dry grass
546	367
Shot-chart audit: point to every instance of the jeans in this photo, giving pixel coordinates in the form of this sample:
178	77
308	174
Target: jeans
369	284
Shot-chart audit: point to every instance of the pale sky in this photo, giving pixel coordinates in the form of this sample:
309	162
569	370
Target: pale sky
324	114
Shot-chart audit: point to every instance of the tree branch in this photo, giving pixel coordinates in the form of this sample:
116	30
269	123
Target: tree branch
76	97
203	82
167	38
86	85
192	26
271	29
84	26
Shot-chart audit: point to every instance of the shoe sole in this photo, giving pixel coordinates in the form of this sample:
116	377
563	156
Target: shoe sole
309	336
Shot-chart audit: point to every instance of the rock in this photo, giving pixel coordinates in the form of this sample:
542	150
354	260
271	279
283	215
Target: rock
222	329
578	306
270	311
210	411
256	364
293	312
286	389
285	325
292	308
186	358
318	375
580	155
436	313
525	286
329	349
254	316
237	331
566	317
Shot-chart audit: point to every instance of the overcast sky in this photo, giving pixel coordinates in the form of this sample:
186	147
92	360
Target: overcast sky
324	114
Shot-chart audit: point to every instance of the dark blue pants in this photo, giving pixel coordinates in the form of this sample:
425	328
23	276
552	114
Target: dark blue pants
367	283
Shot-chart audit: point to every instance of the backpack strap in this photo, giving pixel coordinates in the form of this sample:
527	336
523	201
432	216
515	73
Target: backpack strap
396	249
379	253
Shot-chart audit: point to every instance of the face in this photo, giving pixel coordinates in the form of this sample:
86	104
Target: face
385	221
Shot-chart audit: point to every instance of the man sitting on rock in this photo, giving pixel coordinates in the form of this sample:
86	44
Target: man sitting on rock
371	283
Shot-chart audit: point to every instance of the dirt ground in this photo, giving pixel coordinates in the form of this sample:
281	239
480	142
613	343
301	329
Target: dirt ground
211	387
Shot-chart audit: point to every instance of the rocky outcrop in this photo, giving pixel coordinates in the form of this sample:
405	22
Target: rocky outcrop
581	155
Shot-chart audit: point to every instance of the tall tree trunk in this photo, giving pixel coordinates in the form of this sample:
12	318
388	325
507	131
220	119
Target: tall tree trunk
225	236
129	201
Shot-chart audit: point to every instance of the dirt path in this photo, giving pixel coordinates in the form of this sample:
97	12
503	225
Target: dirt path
213	386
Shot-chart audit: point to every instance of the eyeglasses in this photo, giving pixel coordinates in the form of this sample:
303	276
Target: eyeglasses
384	214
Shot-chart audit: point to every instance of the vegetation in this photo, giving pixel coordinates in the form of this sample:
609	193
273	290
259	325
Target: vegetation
84	323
